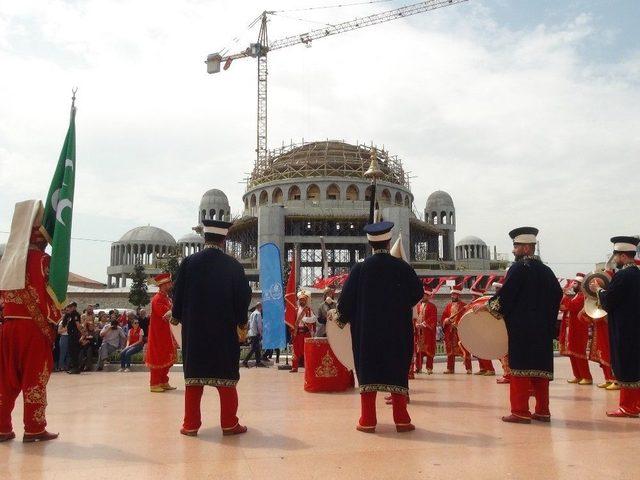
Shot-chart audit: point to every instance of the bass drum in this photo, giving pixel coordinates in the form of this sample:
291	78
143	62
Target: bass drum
340	342
482	334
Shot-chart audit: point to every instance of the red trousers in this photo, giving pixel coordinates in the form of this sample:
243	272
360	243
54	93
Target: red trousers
519	391
298	348
159	376
580	368
420	356
630	400
608	373
26	362
486	365
228	407
451	362
368	416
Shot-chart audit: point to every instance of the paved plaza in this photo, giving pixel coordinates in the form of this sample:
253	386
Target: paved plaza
111	427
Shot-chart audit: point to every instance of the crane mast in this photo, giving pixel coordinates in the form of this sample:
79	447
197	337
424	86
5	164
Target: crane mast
261	48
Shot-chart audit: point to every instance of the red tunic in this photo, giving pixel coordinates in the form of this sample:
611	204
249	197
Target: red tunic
425	337
599	348
562	335
577	333
161	346
451	340
26	341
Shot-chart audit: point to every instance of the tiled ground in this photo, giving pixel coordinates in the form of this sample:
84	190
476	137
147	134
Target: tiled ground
112	427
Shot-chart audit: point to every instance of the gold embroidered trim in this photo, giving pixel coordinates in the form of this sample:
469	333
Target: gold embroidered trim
380	387
532	373
629	384
494	308
211	382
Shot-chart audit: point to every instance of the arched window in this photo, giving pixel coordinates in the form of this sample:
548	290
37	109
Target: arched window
386	196
253	200
367	193
352	193
264	197
203	214
407	201
333	192
294	193
398	198
246	203
313	192
451	218
212	214
277	196
443	218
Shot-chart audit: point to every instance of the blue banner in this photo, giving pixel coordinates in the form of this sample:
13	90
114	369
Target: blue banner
273	329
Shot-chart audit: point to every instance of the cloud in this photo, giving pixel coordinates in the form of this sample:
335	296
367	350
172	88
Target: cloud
518	124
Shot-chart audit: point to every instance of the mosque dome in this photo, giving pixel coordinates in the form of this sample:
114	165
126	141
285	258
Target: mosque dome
439	199
471	240
148	235
191	238
214	206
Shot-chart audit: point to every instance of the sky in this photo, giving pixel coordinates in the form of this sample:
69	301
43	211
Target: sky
525	111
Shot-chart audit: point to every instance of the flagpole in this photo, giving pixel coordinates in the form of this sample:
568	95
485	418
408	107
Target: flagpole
74	90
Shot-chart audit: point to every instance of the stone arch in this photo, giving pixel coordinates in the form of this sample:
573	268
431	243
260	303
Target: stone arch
452	219
407	201
294	193
333	192
398	198
212	214
443	218
353	193
252	202
264	197
277	196
246	203
203	214
385	196
313	192
367	193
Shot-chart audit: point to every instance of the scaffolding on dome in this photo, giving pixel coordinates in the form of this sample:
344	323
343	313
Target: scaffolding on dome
330	158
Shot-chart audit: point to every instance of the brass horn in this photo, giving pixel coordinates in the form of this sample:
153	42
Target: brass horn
592	305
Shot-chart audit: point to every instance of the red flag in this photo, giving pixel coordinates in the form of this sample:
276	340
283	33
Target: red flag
290	301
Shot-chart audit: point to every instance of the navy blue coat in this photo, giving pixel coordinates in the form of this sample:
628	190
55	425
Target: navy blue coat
529	303
211	296
621	300
376	301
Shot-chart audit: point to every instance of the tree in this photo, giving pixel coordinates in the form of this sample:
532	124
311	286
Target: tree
170	263
138	294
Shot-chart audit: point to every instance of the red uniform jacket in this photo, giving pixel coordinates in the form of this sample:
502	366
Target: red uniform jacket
425	337
577	334
161	346
33	301
451	340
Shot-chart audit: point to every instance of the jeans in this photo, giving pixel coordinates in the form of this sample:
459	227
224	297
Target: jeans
127	353
63	360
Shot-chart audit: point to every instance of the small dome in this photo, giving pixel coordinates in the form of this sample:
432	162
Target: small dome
439	199
214	198
471	240
191	238
148	235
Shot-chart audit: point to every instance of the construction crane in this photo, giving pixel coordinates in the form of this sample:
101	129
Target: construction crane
262	47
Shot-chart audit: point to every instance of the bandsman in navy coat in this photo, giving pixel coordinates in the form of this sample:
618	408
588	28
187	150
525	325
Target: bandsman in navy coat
211	297
528	302
621	300
376	301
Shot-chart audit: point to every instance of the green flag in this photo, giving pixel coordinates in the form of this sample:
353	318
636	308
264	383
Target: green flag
58	213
